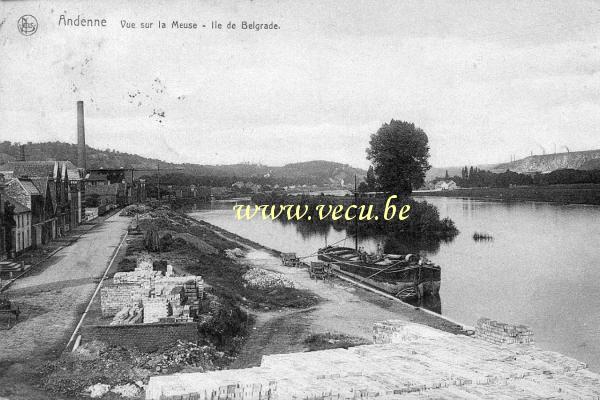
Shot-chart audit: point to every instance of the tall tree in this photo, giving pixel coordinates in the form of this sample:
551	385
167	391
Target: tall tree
371	180
399	152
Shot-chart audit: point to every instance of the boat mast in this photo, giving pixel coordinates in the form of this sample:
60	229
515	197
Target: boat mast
355	219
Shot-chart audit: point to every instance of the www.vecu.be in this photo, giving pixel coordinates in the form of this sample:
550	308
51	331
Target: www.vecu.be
335	212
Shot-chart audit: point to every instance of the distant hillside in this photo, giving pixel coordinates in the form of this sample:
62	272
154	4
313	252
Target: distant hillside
324	171
551	162
311	172
591	164
583	160
67	151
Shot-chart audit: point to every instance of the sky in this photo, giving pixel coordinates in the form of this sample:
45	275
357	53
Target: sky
486	80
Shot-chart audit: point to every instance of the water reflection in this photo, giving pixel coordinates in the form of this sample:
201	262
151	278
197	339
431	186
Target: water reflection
393	243
405	244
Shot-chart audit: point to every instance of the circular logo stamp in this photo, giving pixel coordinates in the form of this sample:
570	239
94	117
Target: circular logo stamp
27	25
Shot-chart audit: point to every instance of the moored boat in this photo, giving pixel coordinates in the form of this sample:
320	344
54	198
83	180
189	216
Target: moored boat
407	276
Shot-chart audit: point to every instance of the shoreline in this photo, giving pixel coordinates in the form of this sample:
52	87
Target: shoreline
582	194
257	246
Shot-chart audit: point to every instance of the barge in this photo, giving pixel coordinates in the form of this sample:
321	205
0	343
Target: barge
407	277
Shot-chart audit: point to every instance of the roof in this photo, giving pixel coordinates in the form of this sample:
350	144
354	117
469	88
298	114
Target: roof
29	187
41	184
75	173
19	208
32	168
26	185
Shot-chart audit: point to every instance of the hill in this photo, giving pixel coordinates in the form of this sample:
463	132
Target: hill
323	171
580	160
551	162
311	172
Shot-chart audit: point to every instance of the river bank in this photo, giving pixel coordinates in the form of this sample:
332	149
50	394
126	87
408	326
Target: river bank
560	194
345	309
245	322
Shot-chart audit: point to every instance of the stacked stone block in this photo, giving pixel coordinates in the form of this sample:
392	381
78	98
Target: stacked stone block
113	298
416	362
154	290
138	277
155	308
501	333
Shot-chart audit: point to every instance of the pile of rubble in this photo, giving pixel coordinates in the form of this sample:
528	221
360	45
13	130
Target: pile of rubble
501	333
163	218
127	390
134	209
98	370
234	254
186	355
259	278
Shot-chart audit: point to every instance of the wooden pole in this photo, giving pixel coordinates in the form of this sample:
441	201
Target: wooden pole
356	219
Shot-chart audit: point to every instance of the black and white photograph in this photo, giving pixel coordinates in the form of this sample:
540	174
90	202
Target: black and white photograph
299	200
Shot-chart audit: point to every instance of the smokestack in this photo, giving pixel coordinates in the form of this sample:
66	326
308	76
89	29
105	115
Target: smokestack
22	155
81	157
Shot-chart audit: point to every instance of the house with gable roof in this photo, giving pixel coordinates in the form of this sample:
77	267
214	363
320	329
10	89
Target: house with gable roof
26	193
52	181
20	235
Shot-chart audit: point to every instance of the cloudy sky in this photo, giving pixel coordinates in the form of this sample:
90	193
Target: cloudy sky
484	79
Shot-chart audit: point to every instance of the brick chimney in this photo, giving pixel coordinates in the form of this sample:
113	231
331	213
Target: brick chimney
81	156
3	233
22	153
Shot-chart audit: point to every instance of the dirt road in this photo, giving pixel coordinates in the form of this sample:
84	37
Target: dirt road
345	309
53	297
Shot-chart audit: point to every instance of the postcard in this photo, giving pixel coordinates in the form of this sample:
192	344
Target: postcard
310	200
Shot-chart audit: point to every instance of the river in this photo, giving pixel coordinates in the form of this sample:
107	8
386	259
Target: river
541	269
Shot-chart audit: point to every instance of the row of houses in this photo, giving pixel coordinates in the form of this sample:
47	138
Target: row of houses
39	200
42	200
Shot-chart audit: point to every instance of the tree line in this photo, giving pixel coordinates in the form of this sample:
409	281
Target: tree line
474	177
